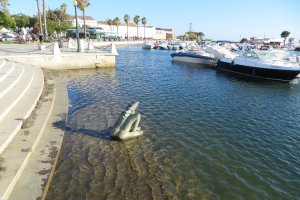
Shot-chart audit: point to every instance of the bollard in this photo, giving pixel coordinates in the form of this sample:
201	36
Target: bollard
56	50
113	49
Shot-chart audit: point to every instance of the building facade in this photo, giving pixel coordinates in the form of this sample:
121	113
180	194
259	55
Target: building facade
134	32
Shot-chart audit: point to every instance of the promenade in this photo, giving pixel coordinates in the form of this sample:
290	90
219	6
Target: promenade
33	110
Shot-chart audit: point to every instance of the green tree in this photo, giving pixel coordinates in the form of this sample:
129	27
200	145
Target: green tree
136	21
126	20
244	40
284	35
144	22
109	23
82	4
4	6
64	7
6	20
21	20
200	35
117	22
58	21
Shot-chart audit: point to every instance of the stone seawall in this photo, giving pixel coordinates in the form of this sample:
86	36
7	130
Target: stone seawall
66	61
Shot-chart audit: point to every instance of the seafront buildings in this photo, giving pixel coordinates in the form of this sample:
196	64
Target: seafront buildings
121	31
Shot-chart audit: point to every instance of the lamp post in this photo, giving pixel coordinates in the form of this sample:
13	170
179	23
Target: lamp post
77	33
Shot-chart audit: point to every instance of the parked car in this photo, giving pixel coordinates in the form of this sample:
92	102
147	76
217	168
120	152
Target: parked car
7	38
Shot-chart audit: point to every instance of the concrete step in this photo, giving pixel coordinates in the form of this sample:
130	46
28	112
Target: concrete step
11	80
13	96
2	63
40	166
17	104
5	71
18	153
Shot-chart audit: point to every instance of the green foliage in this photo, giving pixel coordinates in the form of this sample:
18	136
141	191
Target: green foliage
57	21
116	21
136	20
144	21
126	18
4	6
6	20
244	40
285	34
200	34
21	20
82	4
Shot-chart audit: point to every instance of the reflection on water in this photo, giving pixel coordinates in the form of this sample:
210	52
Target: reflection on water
207	135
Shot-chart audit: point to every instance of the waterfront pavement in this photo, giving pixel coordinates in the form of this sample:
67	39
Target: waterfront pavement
33	49
33	111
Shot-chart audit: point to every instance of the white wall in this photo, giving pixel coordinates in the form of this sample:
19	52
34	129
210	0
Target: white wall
151	32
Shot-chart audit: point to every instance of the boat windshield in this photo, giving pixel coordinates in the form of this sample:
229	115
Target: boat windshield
267	55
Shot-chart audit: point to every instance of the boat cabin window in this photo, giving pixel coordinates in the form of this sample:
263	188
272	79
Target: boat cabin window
250	54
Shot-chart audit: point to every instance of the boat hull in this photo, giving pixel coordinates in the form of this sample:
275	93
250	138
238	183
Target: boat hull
265	73
193	59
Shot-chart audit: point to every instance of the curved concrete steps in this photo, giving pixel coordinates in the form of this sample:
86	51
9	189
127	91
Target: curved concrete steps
18	100
20	89
40	168
19	152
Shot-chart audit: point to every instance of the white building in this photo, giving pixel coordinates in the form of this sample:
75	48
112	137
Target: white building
89	21
121	30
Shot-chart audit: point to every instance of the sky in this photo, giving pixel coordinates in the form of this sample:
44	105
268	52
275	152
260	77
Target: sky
217	19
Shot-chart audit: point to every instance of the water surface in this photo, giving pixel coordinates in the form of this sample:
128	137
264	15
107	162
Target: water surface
207	135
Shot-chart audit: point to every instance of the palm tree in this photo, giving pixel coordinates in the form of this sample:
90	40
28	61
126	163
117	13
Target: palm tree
109	23
284	35
136	21
117	22
127	19
63	7
200	35
4	5
82	4
40	16
45	20
144	22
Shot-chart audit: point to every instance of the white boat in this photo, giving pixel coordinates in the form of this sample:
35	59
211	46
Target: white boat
163	46
148	45
261	64
195	57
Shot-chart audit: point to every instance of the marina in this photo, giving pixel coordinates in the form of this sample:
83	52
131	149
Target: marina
207	135
135	101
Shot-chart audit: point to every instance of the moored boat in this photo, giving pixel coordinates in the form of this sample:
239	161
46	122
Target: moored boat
196	57
260	64
148	45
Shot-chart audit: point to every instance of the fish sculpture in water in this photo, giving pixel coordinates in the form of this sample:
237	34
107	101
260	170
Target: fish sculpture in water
127	126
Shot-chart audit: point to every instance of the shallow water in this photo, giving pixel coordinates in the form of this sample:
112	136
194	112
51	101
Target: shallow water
207	135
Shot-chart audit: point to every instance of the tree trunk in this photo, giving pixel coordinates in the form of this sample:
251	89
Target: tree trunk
144	32
127	33
40	16
45	20
137	32
84	28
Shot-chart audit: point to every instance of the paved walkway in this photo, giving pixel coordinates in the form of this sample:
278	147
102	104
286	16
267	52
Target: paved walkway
31	49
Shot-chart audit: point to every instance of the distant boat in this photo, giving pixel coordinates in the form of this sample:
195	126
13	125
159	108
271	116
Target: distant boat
163	46
195	57
260	64
148	45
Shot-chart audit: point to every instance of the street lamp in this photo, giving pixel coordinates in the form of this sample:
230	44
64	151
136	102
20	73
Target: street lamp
77	33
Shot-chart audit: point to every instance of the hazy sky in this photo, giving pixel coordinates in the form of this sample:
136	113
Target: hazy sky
217	19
